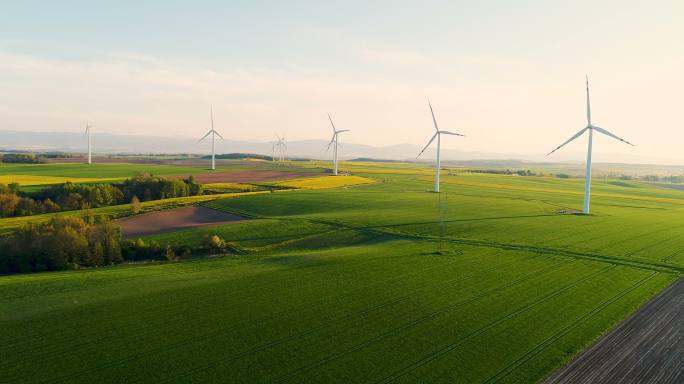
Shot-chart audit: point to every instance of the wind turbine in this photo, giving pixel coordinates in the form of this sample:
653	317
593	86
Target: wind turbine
335	140
438	134
591	128
273	145
282	149
213	134
88	128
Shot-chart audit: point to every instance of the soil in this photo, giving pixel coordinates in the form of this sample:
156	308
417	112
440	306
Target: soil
153	223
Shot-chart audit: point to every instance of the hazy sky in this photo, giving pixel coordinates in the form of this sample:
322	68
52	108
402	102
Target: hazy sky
508	74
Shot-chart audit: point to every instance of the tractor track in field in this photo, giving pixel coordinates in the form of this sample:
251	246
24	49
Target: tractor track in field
648	347
413	323
266	318
351	316
565	330
617	260
210	299
658	266
224	359
196	303
449	348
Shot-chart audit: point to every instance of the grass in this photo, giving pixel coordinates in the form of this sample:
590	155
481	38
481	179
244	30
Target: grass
347	285
105	170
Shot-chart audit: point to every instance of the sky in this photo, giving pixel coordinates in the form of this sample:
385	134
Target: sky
509	75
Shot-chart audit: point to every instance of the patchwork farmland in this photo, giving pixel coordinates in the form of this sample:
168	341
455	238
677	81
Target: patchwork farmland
371	280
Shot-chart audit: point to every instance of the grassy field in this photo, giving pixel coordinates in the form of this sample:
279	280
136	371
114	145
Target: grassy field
111	171
347	285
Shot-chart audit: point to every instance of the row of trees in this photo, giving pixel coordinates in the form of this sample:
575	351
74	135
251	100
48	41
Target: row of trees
679	179
521	172
69	196
138	249
23	158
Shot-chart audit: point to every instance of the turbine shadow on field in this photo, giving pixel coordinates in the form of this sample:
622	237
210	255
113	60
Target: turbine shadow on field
462	220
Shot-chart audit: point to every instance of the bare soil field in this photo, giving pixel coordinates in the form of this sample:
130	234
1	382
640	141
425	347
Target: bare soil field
646	348
250	176
173	220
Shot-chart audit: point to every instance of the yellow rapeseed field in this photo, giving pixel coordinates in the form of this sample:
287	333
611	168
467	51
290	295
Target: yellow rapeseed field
325	182
235	186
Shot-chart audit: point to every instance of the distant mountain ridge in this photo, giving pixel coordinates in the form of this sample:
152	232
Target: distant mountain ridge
106	143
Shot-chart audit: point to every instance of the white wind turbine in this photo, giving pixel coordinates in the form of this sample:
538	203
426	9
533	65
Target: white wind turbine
335	140
591	128
213	134
438	135
281	149
88	129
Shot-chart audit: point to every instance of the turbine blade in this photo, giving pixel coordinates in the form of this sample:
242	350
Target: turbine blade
343	130
219	135
588	104
205	136
451	133
434	121
212	117
599	129
331	123
428	144
576	135
331	141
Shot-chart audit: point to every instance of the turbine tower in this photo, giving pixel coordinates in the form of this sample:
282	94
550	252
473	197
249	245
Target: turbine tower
273	158
591	128
335	140
88	128
438	135
282	149
213	134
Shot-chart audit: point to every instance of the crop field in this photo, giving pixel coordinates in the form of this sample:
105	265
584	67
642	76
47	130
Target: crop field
30	180
491	281
110	170
323	182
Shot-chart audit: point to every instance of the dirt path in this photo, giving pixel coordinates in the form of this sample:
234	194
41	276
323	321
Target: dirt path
646	348
172	220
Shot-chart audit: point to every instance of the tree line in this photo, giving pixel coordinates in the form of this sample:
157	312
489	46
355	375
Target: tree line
70	196
21	158
72	242
63	242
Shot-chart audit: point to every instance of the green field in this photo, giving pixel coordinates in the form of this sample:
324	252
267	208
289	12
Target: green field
346	285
